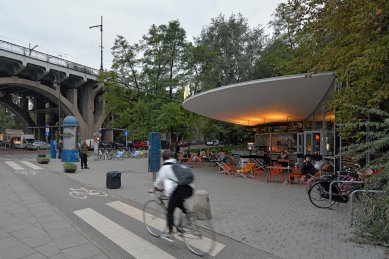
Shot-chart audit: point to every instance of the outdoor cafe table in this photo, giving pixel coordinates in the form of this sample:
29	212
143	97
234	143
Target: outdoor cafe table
284	169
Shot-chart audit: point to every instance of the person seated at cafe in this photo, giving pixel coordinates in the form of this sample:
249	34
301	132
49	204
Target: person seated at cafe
202	153
187	154
228	159
212	156
220	156
308	170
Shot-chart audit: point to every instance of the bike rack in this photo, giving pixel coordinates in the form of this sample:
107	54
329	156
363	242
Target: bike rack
351	211
336	181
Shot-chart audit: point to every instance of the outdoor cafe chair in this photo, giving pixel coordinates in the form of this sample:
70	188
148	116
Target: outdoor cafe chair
225	168
275	171
258	171
295	174
246	171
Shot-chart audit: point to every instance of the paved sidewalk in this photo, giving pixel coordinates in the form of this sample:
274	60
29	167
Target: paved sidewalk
31	228
276	218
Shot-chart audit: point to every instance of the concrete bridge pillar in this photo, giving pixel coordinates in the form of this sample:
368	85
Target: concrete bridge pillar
71	95
40	116
87	110
24	103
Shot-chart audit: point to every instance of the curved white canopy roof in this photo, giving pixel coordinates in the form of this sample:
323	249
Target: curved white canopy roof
277	99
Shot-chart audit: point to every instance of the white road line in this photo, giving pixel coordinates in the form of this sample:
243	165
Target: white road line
31	165
158	224
134	245
14	165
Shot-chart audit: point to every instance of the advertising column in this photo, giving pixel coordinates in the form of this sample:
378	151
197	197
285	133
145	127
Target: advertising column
70	152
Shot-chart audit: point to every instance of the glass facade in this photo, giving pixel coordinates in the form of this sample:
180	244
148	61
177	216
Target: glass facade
314	137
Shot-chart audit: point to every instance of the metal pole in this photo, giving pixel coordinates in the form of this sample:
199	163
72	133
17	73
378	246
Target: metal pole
101	42
59	111
368	140
336	181
101	45
335	154
351	211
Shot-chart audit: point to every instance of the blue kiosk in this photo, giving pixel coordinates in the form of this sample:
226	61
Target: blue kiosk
70	152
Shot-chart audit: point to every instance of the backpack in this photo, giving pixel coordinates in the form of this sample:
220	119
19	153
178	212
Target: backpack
183	174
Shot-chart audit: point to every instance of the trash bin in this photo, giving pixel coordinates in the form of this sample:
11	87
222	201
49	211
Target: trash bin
113	180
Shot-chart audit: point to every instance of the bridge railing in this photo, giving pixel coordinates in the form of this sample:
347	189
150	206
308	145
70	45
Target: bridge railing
4	45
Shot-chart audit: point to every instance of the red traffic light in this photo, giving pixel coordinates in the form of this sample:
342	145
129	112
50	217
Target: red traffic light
317	137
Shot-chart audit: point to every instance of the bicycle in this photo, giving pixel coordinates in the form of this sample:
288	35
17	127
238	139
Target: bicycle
194	229
325	170
319	193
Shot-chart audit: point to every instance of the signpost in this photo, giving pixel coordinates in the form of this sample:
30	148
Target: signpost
126	134
154	153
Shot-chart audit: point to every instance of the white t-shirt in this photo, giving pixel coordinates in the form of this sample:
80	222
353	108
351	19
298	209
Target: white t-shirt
163	181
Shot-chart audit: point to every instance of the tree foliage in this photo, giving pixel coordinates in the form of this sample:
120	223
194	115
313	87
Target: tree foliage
145	84
7	119
238	48
372	225
348	37
144	89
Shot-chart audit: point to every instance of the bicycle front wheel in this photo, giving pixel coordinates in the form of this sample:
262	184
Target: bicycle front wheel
319	196
197	233
154	217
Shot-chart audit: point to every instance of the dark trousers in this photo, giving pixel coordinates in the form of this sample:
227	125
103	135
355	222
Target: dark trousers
84	160
177	201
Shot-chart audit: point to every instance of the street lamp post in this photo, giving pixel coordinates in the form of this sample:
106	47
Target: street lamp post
58	85
101	42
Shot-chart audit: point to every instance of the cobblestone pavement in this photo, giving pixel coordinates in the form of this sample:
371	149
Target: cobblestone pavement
274	217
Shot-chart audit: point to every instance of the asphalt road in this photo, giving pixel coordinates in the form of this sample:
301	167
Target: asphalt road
56	187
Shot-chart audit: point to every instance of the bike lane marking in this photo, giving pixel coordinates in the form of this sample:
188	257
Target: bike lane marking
128	241
160	224
31	165
83	193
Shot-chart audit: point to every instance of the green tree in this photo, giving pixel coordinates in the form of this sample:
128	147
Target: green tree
226	52
146	78
7	119
237	46
350	38
372	225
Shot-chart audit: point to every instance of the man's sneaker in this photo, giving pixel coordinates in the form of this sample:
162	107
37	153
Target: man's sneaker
167	237
86	167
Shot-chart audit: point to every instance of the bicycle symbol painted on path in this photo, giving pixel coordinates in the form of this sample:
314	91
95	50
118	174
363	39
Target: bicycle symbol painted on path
82	193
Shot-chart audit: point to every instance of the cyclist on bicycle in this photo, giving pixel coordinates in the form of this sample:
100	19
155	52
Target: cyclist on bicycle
167	180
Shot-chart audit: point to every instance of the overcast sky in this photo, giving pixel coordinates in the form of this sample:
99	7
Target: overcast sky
61	28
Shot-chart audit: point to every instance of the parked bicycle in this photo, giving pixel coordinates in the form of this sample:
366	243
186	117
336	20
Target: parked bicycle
194	229
347	181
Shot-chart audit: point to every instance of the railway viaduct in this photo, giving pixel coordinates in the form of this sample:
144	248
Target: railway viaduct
42	89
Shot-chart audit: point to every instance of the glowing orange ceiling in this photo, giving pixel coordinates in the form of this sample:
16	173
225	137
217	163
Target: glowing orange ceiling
277	99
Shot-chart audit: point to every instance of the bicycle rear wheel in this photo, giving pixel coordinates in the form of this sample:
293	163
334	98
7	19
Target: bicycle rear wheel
319	196
310	183
197	233
154	217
